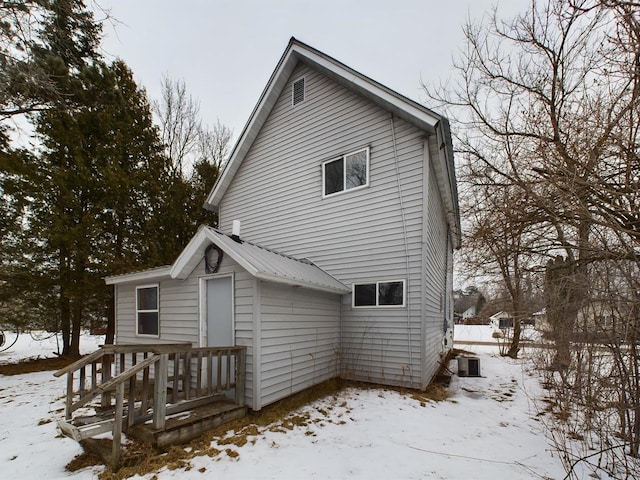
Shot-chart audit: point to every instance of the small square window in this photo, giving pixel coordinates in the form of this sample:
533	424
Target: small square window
379	294
365	295
348	172
147	311
390	293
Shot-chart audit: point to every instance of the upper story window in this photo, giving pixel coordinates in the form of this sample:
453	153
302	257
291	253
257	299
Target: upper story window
147	310
379	294
297	91
348	172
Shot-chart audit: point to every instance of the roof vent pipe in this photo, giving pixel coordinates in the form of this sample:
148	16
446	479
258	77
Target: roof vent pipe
235	231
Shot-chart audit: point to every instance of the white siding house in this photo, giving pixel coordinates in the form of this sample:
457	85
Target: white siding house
353	185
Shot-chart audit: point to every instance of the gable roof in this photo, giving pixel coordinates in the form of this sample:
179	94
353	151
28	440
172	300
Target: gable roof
260	262
401	106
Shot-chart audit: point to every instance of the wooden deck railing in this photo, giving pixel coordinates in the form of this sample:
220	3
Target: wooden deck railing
158	380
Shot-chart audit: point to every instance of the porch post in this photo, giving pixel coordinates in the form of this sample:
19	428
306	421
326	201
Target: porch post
241	373
161	372
117	428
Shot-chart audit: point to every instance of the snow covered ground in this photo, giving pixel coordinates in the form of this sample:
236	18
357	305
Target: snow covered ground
42	345
488	429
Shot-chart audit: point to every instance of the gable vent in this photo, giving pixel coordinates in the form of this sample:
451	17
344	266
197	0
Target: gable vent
298	91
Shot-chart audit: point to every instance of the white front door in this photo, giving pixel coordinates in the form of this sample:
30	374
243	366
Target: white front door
220	312
220	325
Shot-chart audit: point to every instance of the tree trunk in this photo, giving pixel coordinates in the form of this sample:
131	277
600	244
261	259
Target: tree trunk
515	341
561	315
65	303
76	324
65	322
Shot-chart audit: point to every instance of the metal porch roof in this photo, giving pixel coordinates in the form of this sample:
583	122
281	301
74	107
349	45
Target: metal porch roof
273	266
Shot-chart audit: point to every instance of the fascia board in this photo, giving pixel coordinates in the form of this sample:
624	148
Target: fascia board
287	281
446	179
240	260
376	91
179	267
154	274
251	129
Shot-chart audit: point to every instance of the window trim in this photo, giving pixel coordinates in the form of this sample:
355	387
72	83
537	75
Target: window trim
344	172
293	91
377	284
156	310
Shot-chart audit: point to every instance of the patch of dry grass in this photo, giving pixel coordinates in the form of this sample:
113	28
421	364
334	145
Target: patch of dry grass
140	458
283	416
32	365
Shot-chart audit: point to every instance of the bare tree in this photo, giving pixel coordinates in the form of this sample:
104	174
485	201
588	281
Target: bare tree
186	138
178	114
547	106
214	143
499	242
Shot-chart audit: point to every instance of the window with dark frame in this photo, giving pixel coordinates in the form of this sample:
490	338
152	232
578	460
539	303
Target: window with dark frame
147	311
348	172
379	294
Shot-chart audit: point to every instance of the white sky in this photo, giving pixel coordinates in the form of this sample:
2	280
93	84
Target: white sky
225	51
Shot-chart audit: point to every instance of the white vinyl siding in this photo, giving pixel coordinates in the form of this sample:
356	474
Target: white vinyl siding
179	320
180	312
438	275
356	237
300	339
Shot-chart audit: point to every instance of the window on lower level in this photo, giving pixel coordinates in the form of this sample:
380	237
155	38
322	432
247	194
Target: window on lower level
147	311
346	173
379	294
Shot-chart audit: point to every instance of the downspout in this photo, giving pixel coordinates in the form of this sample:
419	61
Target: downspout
257	346
340	353
406	243
447	300
426	174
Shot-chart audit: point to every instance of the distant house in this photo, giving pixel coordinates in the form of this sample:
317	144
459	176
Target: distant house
469	312
341	262
501	320
539	320
605	320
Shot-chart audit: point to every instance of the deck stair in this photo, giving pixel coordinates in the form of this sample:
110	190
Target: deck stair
170	395
82	431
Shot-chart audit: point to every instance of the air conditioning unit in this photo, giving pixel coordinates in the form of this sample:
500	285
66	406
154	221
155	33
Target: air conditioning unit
468	366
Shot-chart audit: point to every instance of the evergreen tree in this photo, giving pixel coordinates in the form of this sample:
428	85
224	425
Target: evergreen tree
99	195
93	189
43	46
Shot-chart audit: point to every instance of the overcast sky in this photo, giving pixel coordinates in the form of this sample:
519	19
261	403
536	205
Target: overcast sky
225	51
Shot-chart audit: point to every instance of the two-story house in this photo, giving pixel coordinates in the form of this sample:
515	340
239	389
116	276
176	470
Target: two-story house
344	199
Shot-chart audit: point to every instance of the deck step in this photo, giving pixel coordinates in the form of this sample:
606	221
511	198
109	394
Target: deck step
89	430
188	425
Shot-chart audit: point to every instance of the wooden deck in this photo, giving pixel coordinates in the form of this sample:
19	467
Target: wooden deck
162	394
188	425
